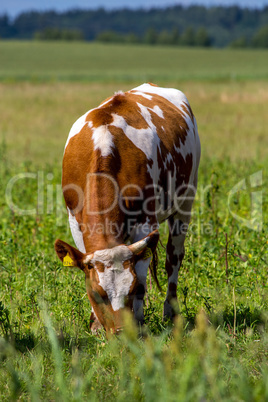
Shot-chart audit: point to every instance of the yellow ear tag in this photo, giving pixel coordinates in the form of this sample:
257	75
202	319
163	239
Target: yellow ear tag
67	261
148	253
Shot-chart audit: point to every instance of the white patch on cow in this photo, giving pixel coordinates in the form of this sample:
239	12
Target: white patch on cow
156	109
145	138
115	280
119	93
191	144
142	94
113	255
172	95
117	285
77	127
168	159
103	140
76	232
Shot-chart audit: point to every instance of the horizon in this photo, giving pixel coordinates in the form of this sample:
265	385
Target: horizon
14	8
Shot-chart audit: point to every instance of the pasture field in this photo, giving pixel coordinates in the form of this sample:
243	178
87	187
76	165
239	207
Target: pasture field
218	348
93	62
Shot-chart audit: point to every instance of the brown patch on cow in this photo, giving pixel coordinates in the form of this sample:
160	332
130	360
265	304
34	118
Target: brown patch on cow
153	85
184	172
181	257
164	179
140	292
188	110
100	117
126	264
99	265
77	159
95	325
122	105
175	226
172	291
175	127
172	259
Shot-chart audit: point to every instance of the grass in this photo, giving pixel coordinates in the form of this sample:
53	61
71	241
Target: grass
36	118
46	348
217	349
92	62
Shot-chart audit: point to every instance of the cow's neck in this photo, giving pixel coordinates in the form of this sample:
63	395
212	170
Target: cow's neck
102	218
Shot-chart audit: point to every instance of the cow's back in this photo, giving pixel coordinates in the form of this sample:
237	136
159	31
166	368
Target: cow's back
140	138
147	124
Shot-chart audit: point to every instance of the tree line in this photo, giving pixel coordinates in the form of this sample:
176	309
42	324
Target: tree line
177	25
189	37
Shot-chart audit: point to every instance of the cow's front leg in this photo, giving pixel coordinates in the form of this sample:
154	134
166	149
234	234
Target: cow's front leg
141	269
174	257
95	325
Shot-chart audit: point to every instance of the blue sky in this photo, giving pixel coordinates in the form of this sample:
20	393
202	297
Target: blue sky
13	7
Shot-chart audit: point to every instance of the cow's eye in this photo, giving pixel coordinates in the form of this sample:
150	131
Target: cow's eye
89	265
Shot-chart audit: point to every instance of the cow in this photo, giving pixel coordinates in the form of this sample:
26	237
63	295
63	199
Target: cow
129	164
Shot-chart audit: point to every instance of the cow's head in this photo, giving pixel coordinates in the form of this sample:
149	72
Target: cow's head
111	281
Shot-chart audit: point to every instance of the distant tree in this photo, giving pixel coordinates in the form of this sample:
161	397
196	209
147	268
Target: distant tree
175	36
188	37
164	38
202	38
225	24
151	36
260	39
59	34
132	38
239	43
6	27
71	34
109	36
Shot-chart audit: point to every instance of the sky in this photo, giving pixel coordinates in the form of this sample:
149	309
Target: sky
14	7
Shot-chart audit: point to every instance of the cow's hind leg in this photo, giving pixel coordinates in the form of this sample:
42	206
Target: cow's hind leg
178	225
174	257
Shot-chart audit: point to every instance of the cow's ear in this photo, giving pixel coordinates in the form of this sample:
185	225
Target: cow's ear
69	255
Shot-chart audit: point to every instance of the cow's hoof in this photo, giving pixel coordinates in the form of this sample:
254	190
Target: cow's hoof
169	313
95	325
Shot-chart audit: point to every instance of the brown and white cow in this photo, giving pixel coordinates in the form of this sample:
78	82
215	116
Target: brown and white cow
129	164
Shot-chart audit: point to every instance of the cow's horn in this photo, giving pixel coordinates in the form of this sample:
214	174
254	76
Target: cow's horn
137	247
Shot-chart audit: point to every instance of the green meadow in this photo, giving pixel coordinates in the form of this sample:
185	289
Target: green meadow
217	350
91	62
